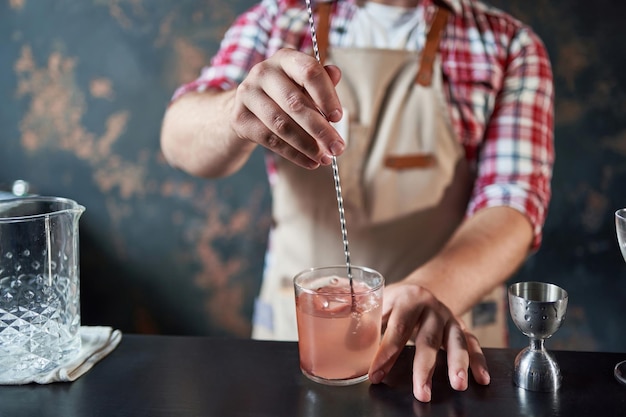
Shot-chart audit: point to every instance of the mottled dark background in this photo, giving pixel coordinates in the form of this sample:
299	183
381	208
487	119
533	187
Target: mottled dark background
84	85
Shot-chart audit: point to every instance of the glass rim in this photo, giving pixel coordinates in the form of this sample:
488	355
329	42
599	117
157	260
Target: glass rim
73	206
514	290
369	290
621	213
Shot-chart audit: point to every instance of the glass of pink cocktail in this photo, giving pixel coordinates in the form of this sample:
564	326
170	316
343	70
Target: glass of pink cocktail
339	327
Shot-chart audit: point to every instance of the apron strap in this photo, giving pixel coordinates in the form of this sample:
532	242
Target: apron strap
323	28
425	72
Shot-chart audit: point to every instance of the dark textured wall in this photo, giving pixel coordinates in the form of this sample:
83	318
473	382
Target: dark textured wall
85	84
580	250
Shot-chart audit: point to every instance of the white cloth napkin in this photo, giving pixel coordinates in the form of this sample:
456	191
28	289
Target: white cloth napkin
97	342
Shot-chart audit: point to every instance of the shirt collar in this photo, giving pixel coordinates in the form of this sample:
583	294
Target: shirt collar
453	5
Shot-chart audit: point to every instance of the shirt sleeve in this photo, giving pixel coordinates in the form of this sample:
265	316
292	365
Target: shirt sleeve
517	155
244	44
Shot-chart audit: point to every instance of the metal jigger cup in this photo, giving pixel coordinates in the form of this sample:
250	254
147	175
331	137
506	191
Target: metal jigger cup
538	310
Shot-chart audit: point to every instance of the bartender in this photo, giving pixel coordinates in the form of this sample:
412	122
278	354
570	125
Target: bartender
440	115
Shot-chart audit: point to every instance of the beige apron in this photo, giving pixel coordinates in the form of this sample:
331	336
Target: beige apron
405	181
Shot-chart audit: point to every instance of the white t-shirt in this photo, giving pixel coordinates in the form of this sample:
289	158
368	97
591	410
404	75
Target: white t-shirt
381	26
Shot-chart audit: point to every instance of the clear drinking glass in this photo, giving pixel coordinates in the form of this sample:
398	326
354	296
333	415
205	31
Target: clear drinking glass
620	228
39	285
339	327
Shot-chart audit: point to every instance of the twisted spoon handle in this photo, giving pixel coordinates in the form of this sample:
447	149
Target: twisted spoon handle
342	216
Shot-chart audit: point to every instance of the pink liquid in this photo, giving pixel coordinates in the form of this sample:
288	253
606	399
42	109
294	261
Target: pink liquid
336	341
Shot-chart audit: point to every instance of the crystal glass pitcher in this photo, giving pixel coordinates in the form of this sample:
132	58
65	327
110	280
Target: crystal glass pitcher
39	285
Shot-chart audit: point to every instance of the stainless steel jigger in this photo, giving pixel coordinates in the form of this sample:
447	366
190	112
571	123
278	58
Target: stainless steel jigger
538	310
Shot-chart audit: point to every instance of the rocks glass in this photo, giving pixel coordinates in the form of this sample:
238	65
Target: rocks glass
339	326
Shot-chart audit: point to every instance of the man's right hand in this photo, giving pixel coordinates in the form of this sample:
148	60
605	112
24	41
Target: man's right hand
286	103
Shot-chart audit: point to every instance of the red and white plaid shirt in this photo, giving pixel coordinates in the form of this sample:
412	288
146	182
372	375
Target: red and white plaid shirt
497	80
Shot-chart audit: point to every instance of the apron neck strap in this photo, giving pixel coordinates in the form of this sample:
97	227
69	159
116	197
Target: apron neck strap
323	28
424	74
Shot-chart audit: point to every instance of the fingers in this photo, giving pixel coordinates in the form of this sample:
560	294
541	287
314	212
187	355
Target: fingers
478	363
394	339
318	81
401	316
334	73
262	121
458	357
286	103
412	312
427	344
470	343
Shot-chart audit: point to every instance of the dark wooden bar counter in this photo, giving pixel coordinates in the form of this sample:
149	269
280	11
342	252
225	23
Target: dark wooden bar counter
172	376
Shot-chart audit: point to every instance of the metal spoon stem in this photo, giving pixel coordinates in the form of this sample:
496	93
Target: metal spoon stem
342	217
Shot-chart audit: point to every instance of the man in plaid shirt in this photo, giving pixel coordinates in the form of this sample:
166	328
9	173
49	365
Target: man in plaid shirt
489	100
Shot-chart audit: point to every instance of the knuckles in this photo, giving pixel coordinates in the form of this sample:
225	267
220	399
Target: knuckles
311	70
272	141
258	71
295	102
280	124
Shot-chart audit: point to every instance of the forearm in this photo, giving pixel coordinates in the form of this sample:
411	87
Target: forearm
483	253
196	135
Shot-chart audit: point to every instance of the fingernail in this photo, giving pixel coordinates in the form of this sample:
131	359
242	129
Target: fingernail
377	377
462	375
486	375
336	147
426	389
326	160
